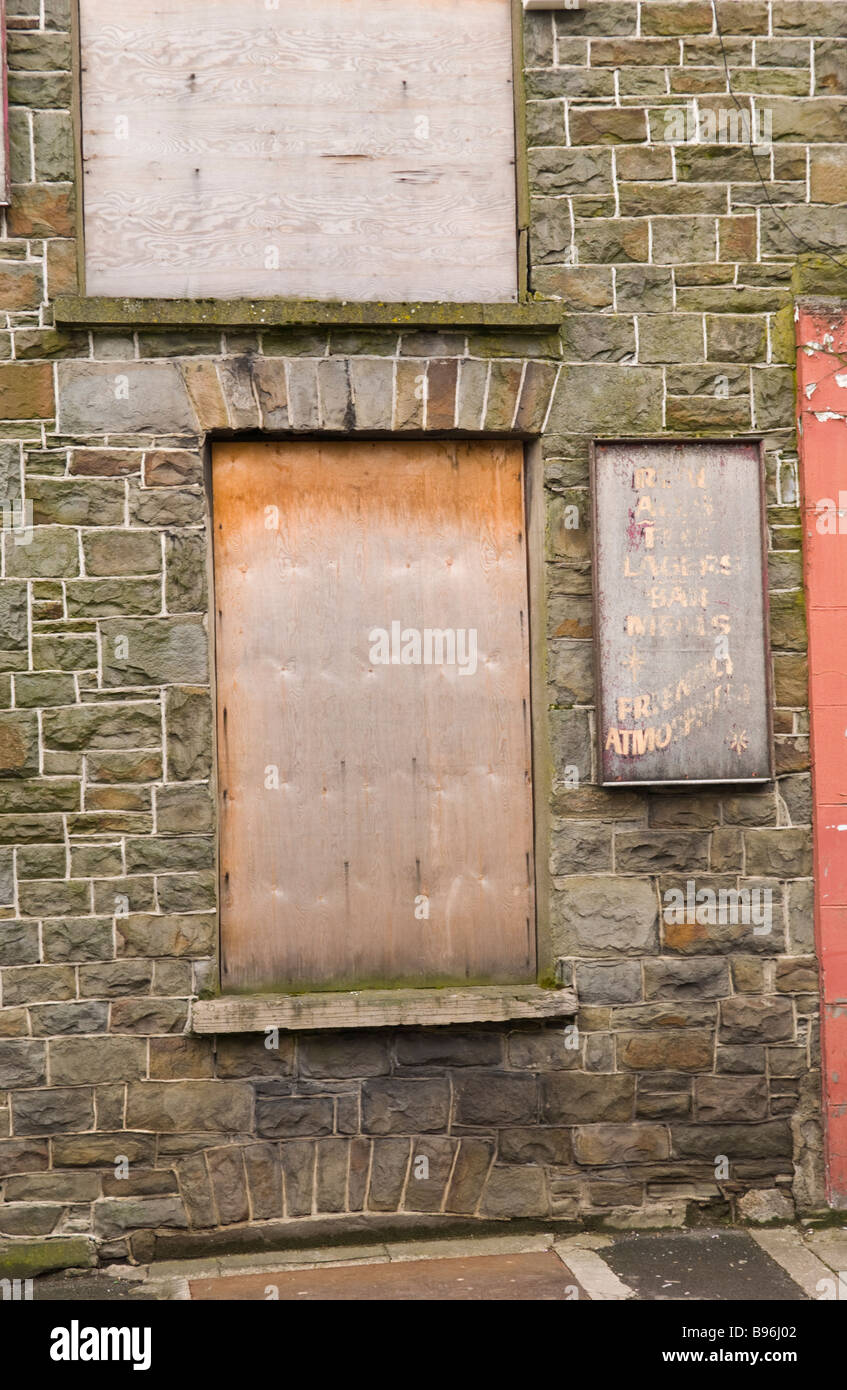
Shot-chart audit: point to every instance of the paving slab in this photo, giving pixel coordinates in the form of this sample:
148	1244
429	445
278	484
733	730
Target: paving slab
93	1287
793	1253
831	1247
707	1266
537	1276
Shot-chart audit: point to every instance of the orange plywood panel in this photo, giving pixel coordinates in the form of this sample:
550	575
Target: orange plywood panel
373	714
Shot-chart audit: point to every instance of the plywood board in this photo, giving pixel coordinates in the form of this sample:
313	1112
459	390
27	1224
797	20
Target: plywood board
681	621
344	149
376	813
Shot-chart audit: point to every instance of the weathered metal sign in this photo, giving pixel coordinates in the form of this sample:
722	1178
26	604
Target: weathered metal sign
680	613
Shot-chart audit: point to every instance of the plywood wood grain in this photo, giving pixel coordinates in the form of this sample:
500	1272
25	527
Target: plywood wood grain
358	149
376	816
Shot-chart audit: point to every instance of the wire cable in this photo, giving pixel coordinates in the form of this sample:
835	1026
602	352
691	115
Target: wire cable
801	241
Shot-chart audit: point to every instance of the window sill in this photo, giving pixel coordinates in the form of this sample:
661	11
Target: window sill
103	312
385	1008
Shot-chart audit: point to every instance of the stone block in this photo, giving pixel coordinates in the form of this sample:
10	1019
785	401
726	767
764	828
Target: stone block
603	1144
673	1049
229	1184
448	1047
404	1106
120	552
18	744
53	1111
123	398
389	1166
298	1164
573	1097
154	651
720	1098
489	1099
600	982
292	1117
115	1215
22	1063
183	934
686	979
605	916
178	1107
750	1019
515	1192
470	1169
264	1180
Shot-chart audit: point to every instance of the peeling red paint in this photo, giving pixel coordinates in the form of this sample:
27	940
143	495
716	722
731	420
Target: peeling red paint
822	410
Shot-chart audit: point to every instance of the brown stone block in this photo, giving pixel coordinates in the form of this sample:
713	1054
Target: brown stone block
77	1060
575	1097
171	468
291	1117
298	1167
755	1019
105	463
20	287
633	1143
26	389
41	210
515	1192
504	383
197	1190
609	125
442	381
681	1049
469	1173
398	1106
240	1056
62	268
737	238
264	1180
410	389
797	975
181	1106
720	1098
205	393
229	1184
236	381
490	1099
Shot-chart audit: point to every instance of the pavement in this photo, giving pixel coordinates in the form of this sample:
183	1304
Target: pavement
773	1264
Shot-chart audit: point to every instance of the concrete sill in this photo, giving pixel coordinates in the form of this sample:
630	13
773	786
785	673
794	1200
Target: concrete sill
102	312
380	1008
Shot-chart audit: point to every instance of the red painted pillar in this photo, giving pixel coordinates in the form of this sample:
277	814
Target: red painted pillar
822	408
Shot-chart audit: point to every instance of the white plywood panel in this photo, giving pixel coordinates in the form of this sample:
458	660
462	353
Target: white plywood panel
353	788
344	149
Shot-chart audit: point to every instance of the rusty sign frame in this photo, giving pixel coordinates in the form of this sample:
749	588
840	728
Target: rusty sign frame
757	441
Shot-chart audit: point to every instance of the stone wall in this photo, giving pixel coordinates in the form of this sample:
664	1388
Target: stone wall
673	271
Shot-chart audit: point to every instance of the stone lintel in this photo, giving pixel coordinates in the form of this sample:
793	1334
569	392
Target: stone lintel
105	312
384	1008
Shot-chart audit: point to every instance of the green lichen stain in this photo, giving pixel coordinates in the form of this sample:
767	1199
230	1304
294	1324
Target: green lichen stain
26	1258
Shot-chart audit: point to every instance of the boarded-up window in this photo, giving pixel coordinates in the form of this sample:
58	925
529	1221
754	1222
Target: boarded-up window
373	714
331	149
